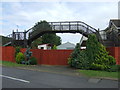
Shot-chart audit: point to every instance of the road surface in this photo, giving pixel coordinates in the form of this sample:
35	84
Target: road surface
20	78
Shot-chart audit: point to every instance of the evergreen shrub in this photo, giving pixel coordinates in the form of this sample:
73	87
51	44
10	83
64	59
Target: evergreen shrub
33	61
20	57
17	50
97	55
74	57
82	60
54	47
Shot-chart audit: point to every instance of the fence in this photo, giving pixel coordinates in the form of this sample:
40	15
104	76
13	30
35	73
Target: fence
7	54
51	57
115	52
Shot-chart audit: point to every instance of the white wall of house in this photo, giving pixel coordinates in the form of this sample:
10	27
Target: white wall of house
44	47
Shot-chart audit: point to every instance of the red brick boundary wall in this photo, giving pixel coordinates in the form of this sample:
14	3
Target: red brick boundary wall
51	57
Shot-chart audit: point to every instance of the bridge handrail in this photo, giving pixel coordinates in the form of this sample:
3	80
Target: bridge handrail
77	22
9	36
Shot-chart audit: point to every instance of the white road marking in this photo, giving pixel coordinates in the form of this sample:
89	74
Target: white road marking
15	79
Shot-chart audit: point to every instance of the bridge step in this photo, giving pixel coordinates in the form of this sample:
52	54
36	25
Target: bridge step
7	44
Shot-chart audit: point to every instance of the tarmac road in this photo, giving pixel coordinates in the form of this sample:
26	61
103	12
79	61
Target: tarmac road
20	78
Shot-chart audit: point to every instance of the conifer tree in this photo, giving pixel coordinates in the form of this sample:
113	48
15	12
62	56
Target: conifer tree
91	48
98	57
74	56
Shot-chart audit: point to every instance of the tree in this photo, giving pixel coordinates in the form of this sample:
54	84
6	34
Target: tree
51	38
42	25
36	42
91	48
78	58
4	40
74	57
97	55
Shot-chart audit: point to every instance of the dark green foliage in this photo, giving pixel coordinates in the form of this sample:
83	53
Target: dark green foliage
4	40
20	57
74	57
98	57
92	48
42	25
114	68
33	61
82	60
51	38
36	42
28	54
17	50
58	40
95	56
54	47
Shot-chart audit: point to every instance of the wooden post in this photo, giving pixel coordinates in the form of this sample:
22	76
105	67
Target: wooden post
69	26
77	26
12	41
25	40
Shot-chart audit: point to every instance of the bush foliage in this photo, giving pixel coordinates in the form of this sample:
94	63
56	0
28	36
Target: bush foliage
20	57
33	61
17	50
74	57
95	56
54	47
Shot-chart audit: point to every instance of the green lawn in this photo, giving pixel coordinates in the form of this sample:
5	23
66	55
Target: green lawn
6	63
103	74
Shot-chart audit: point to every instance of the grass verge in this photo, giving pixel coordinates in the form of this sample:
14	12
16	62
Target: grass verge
7	63
97	74
88	73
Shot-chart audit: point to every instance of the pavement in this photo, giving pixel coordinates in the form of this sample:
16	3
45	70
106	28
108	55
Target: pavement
50	77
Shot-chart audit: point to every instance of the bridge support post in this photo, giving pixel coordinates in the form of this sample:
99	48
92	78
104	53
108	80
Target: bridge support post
13	36
99	36
25	40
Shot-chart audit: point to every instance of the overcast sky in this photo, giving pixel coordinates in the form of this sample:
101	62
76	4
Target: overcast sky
23	15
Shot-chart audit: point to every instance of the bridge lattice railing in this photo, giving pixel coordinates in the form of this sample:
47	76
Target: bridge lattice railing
64	26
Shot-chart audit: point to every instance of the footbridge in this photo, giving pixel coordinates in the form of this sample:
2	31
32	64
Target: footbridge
27	37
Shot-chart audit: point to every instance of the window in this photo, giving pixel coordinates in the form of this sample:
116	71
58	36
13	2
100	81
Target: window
42	48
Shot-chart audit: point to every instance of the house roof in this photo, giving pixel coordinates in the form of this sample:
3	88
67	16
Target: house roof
66	45
46	44
116	22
